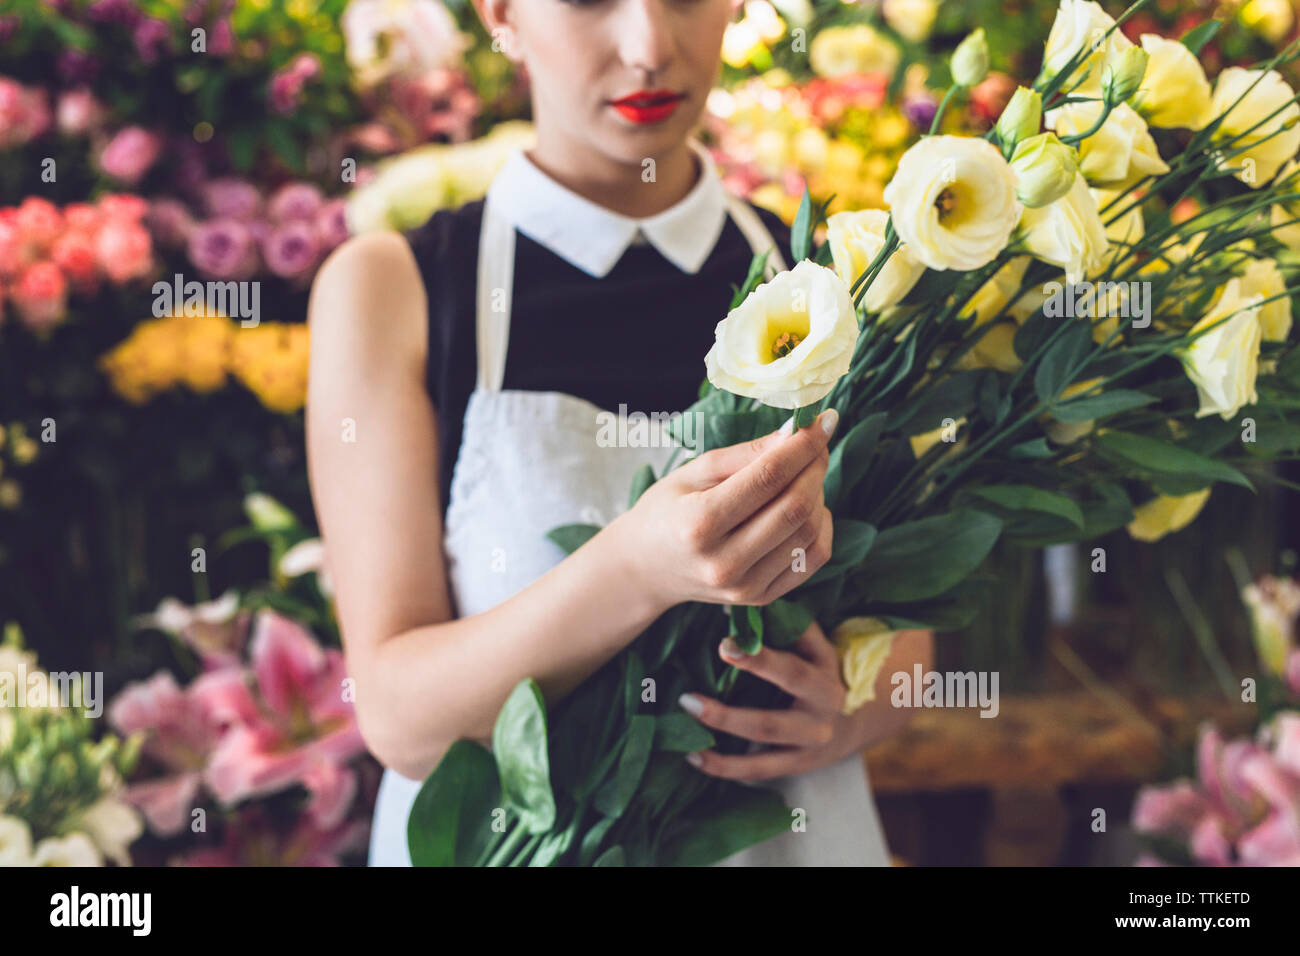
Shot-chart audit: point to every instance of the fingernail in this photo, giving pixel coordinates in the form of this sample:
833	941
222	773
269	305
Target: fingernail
731	650
691	704
830	418
788	427
694	759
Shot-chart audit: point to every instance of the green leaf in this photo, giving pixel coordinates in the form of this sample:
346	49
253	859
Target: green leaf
824	256
571	537
751	815
553	846
1099	406
801	231
850	458
679	732
1035	448
519	743
1033	335
614	856
1030	498
641	481
950	398
786	622
1161	458
1200	35
920	559
592	839
753	279
616	793
850	544
1062	362
451	819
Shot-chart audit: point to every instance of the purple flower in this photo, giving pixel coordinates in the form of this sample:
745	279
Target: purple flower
291	249
294	201
232	198
8	27
332	223
223	249
124	12
76	67
152	38
221	41
130	153
920	109
169	221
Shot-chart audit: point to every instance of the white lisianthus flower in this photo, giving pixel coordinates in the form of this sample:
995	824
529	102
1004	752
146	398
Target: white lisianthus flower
1045	169
1118	154
789	341
1275	140
1082	25
1068	233
15	842
1223	362
75	849
1166	514
1174	93
113	826
856	238
1262	277
384	38
862	645
953	201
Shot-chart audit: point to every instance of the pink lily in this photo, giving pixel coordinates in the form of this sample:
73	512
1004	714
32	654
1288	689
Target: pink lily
253	840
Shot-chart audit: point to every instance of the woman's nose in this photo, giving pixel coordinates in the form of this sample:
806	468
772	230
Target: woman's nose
645	35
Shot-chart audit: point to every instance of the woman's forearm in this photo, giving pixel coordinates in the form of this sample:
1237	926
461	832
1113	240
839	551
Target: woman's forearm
443	682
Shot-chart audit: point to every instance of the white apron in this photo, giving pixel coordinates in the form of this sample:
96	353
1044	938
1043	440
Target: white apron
529	461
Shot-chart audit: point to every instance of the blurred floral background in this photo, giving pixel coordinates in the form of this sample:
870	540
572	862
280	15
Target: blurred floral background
155	523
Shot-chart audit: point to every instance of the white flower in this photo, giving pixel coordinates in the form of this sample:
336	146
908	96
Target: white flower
912	19
1068	233
1174	92
856	238
953	201
856	48
1045	169
113	826
409	37
1224	361
1118	154
306	557
1081	25
789	341
15	842
1274	140
1261	277
75	849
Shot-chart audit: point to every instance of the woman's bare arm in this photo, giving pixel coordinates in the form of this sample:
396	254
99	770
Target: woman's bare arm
721	530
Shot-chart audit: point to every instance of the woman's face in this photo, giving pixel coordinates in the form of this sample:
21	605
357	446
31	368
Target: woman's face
591	64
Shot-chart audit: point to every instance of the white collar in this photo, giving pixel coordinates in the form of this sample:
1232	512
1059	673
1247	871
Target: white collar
594	238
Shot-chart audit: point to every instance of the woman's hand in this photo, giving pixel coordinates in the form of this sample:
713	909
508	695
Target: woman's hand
813	731
737	525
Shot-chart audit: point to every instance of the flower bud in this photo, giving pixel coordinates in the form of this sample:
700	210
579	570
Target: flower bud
1021	117
1045	169
970	61
1122	73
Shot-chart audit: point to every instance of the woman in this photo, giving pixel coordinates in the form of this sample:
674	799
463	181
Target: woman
459	378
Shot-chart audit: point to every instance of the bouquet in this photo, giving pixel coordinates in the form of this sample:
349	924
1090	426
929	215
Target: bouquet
1051	334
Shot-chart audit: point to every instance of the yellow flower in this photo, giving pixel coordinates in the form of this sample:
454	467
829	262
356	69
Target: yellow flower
205	346
856	238
271	360
1272	19
953	201
993	295
1080	25
858	48
789	341
1267	110
1068	233
927	440
863	645
911	19
1261	277
1117	155
1166	514
994	350
1224	361
1174	92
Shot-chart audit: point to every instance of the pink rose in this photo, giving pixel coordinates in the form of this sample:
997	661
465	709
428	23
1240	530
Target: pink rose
81	217
74	254
41	296
332	223
16	253
78	112
291	250
223	249
232	198
121	206
294	201
170	221
130	153
24	113
125	250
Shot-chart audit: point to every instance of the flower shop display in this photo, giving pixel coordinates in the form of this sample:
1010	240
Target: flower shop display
1048	298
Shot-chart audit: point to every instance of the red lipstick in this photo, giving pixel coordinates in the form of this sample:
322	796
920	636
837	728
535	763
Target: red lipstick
648	106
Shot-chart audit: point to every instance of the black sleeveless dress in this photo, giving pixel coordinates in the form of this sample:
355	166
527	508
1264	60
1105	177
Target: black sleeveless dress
636	336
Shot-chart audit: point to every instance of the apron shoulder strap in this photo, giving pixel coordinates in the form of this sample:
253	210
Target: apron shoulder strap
760	238
496	268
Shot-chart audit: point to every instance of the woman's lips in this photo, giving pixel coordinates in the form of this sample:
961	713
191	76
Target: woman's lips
648	106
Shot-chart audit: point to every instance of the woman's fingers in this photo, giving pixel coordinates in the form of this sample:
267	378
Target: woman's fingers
753	767
818	688
788	727
764	477
772	524
793	575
